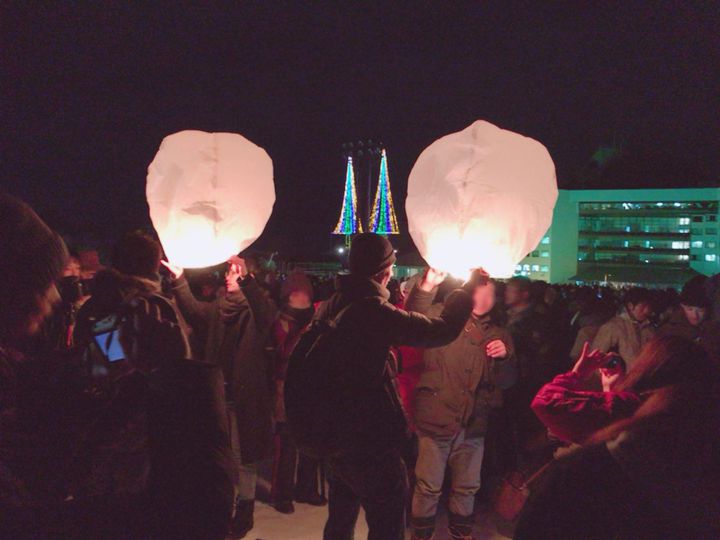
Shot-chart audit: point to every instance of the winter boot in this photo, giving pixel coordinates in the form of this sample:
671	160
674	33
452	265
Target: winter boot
460	527
243	520
285	507
422	528
310	497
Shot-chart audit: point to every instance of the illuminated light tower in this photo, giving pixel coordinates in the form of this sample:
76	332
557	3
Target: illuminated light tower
349	224
383	219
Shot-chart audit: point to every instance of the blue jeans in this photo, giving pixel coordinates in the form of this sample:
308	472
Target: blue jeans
464	457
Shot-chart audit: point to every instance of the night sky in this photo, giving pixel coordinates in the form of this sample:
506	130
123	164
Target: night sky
86	95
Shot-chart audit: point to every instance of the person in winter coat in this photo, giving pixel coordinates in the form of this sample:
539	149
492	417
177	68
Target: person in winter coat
192	468
627	333
691	318
369	470
134	273
293	318
653	475
572	413
34	431
238	325
460	383
519	431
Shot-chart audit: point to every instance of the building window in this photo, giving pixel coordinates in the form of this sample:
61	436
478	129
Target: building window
544	268
684	221
526	267
545	240
710	257
697	219
535	267
680	245
712	218
711	232
697	243
682	258
711	245
535	253
545	254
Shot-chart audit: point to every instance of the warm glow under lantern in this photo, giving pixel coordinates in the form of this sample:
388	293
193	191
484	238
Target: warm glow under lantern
210	196
480	198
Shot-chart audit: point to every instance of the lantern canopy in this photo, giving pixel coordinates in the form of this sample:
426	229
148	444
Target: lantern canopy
210	196
480	198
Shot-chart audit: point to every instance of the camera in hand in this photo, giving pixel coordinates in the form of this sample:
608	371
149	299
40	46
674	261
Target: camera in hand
616	361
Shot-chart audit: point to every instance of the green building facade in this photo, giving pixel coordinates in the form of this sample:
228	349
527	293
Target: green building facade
653	237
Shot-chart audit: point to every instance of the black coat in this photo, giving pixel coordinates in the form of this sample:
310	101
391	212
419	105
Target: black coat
188	487
238	326
372	328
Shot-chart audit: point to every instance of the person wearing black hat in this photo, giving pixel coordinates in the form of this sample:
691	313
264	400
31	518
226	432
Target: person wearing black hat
691	319
369	471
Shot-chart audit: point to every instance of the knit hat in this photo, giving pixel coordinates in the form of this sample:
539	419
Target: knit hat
694	292
370	254
296	282
31	255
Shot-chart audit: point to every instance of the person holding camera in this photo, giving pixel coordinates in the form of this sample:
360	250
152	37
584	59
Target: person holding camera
652	473
571	413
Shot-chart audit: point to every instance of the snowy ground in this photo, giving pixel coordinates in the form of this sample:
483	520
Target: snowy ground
307	522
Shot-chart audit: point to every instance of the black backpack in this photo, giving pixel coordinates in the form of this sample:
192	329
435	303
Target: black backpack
331	406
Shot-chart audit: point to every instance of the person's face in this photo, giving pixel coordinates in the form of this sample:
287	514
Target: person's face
299	300
694	314
44	305
483	299
385	276
72	268
640	311
514	295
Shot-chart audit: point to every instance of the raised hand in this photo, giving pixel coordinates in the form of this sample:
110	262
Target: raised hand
432	279
174	269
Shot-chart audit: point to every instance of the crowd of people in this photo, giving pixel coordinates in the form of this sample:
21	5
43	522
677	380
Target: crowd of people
137	401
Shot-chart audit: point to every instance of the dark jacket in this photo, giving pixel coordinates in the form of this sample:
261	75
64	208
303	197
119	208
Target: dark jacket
459	384
192	471
238	325
286	333
372	327
529	333
42	407
112	289
706	334
179	417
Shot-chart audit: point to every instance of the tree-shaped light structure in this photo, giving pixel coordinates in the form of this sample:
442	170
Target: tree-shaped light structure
383	219
349	224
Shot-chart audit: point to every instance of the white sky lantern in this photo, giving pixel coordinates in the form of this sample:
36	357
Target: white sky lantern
480	198
210	196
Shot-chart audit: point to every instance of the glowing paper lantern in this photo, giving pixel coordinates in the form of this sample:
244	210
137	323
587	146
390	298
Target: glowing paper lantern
210	196
480	198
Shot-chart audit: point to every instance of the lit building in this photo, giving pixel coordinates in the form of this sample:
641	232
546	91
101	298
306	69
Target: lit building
659	237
